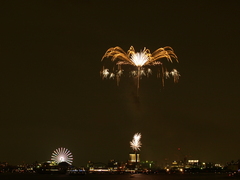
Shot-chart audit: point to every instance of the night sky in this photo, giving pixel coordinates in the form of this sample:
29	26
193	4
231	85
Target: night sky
52	94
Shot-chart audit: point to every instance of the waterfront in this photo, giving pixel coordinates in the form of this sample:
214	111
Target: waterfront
34	176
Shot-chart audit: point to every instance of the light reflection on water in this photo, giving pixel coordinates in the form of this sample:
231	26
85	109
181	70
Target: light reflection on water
115	177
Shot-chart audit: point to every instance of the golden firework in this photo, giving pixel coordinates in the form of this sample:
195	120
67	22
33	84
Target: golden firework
141	63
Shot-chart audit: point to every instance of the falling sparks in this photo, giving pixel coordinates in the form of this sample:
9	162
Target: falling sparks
62	155
139	64
135	144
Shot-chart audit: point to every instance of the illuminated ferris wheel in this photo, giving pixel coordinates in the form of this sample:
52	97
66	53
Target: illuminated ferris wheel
62	155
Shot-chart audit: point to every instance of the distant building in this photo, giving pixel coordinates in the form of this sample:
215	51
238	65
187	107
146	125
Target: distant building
113	165
193	164
48	167
134	157
98	167
148	165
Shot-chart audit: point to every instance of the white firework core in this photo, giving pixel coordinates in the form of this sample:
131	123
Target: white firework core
135	144
139	58
62	155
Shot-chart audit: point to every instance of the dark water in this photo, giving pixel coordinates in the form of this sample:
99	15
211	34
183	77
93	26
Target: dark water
116	177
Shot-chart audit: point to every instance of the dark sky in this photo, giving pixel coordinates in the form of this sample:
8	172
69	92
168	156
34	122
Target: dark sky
52	95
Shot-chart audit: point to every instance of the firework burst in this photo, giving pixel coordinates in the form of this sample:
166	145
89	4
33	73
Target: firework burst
135	144
139	64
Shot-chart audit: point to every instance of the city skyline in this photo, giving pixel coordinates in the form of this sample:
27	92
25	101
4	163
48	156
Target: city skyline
57	158
52	93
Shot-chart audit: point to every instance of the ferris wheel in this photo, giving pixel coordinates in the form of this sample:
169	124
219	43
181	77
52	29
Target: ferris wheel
62	155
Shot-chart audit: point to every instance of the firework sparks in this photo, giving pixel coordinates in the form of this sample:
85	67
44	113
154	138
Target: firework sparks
175	75
135	144
139	63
